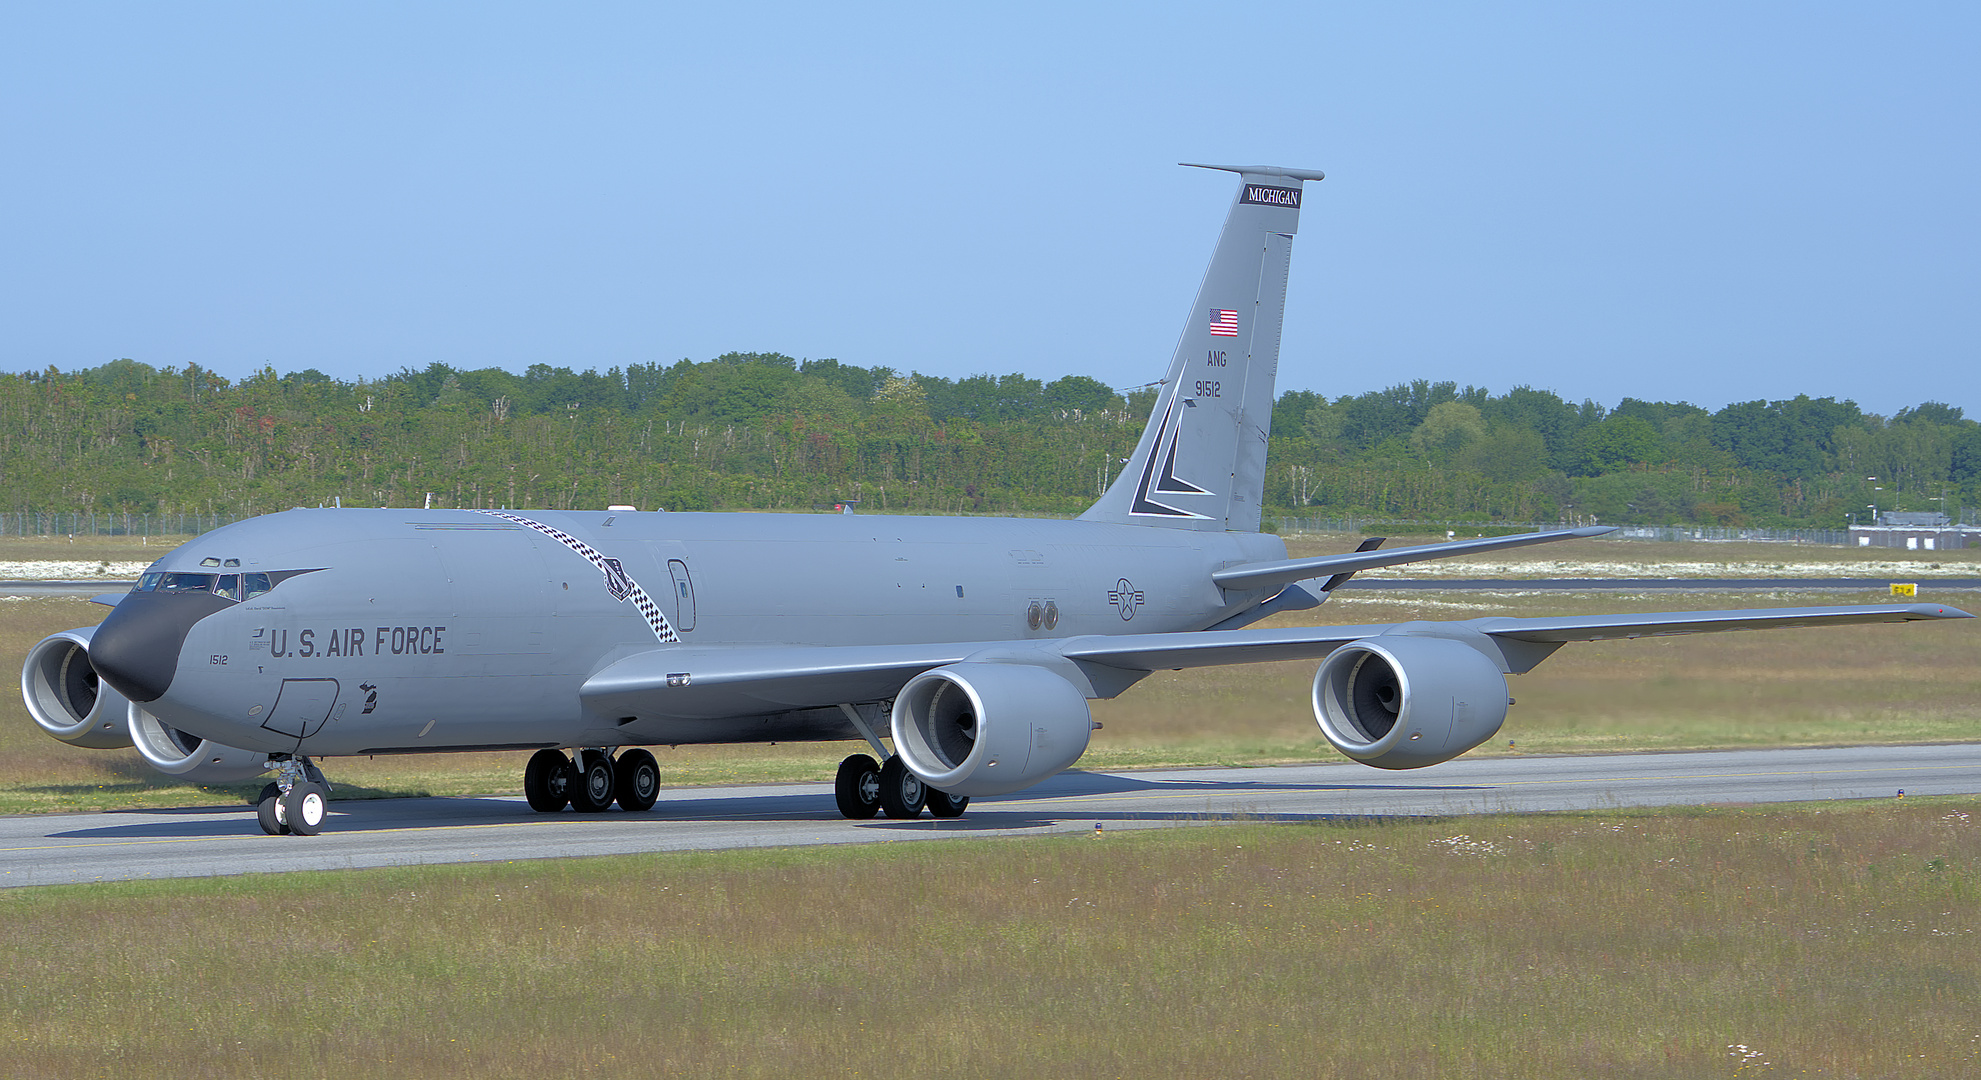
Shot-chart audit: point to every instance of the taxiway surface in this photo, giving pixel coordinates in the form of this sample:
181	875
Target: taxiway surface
214	841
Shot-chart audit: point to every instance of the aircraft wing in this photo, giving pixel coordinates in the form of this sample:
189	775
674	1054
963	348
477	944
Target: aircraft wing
1522	642
716	682
721	681
1263	575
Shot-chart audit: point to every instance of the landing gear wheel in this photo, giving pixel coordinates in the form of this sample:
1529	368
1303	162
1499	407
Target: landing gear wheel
901	792
547	781
269	812
943	804
305	807
636	781
857	787
270	790
593	792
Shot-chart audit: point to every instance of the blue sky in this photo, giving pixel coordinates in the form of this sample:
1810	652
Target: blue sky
1703	202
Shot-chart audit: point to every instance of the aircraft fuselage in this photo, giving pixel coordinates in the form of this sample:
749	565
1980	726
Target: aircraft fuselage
384	629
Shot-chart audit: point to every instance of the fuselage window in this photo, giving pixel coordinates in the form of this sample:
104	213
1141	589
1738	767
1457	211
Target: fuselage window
256	584
186	583
229	586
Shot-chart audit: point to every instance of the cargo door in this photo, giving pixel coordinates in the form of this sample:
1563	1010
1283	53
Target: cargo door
301	707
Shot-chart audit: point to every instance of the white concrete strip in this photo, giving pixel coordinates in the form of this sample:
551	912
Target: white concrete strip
208	841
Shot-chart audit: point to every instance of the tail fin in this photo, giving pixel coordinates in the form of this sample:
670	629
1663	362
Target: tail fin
1201	463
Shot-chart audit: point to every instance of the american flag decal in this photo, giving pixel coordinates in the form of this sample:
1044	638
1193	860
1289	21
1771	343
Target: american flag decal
1224	323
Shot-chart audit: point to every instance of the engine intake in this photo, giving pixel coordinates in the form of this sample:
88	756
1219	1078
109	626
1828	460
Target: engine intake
987	729
189	757
67	699
1407	702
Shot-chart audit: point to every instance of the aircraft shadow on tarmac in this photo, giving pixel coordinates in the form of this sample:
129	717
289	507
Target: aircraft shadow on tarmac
1077	782
985	815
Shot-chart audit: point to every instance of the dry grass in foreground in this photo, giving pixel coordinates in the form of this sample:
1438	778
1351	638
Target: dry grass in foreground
1828	942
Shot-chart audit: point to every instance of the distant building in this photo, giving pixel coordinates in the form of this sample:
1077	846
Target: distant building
1915	530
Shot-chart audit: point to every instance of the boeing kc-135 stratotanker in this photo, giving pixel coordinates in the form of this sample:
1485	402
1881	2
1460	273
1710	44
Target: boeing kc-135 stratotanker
974	643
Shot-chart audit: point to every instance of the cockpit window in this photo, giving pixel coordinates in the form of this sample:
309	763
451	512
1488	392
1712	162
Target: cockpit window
183	583
236	587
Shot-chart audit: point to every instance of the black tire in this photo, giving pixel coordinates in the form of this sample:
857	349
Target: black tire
269	813
857	787
593	792
547	781
305	807
270	790
636	781
943	804
901	792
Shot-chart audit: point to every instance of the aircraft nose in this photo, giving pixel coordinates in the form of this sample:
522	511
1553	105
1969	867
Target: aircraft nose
136	650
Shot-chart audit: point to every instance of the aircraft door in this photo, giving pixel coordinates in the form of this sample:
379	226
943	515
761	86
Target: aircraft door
684	595
301	706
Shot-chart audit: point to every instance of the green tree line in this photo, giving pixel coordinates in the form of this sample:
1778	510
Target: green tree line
767	431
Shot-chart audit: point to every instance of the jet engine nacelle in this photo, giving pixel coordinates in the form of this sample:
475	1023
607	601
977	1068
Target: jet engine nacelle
189	757
65	697
1407	702
986	729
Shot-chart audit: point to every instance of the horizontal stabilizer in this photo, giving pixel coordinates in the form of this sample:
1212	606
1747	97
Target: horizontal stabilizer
1260	170
1264	575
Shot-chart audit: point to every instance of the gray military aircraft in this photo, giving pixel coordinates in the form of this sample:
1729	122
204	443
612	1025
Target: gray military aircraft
974	643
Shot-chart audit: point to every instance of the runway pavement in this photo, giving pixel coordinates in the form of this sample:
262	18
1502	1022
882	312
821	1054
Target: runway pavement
210	841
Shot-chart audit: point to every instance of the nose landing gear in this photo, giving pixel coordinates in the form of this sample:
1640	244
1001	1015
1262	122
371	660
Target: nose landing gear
297	801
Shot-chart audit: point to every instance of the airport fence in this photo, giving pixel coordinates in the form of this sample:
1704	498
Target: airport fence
90	523
1465	529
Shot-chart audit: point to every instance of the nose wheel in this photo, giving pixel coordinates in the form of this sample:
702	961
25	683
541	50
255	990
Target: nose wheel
297	802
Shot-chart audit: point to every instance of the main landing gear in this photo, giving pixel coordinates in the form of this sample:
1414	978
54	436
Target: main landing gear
865	787
296	801
591	783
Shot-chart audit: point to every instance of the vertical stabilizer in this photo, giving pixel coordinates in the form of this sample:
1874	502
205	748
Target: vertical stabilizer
1201	463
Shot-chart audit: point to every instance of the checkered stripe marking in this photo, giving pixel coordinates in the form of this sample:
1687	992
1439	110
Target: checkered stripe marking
662	629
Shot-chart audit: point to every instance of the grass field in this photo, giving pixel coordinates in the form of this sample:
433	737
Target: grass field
1846	685
1826	941
1832	941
